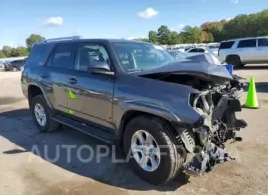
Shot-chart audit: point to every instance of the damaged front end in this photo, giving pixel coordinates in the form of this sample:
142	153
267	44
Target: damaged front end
217	104
216	100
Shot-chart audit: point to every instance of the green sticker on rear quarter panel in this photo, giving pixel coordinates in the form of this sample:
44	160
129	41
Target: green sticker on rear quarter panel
71	95
71	112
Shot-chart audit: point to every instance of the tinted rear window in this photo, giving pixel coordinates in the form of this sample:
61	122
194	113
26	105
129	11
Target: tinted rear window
63	56
39	54
226	45
263	42
247	43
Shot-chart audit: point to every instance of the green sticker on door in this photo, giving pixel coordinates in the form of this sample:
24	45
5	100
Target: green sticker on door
71	95
69	111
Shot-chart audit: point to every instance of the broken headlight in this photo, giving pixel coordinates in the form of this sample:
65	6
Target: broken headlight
203	134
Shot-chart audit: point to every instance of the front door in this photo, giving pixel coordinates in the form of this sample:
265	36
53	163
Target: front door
90	95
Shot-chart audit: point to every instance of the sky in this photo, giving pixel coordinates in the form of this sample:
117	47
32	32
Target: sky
111	18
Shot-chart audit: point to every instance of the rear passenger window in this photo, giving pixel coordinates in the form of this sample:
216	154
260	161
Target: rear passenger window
39	54
247	43
63	56
263	42
226	45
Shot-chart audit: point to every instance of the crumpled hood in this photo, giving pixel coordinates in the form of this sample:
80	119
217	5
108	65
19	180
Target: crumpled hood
203	70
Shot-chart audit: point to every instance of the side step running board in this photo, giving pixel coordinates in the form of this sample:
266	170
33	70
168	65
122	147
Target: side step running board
92	131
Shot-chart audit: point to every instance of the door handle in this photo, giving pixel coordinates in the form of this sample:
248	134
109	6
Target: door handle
44	75
72	81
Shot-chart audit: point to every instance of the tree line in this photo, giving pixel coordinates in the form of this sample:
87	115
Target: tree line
242	25
8	51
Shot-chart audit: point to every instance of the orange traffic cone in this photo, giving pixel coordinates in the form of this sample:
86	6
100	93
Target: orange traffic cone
252	100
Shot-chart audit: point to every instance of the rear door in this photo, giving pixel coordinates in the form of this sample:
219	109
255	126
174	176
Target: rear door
59	70
262	49
246	49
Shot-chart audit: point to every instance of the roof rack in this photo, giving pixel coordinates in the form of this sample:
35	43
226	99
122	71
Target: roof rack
63	38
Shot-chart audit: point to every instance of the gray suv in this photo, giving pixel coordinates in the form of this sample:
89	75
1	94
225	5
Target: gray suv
169	116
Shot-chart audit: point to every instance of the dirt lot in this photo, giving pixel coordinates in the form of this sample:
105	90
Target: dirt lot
23	169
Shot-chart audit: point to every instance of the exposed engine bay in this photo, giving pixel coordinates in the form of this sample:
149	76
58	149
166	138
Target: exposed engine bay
217	103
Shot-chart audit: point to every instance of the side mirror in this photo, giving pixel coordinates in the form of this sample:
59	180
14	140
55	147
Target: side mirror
100	68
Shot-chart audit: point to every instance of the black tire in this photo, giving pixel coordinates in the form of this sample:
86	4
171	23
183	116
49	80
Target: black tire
234	60
50	124
15	69
170	163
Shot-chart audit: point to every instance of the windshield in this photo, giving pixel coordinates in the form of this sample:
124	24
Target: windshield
140	56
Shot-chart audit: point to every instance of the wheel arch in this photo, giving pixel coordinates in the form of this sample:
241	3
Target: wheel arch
132	113
34	90
232	55
178	128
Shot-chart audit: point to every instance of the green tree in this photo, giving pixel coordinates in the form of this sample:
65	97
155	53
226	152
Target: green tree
215	28
142	39
2	54
32	39
152	36
210	38
192	34
7	50
175	38
14	53
22	51
164	35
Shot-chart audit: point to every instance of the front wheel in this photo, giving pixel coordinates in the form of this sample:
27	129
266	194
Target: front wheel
154	156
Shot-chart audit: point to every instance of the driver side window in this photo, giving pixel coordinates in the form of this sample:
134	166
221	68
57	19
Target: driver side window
88	54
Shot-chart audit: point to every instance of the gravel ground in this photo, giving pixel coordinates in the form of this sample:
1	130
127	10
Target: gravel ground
25	170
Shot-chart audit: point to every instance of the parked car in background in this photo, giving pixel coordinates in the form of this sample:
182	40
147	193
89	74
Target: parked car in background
201	50
1	64
14	65
6	65
177	54
214	49
251	50
196	51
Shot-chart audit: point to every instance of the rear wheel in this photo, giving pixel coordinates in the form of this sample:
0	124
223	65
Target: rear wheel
154	156
15	69
42	114
234	60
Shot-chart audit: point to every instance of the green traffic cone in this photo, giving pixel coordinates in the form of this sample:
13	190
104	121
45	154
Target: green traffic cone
252	100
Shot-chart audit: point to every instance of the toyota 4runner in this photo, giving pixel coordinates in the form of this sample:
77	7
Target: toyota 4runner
171	116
